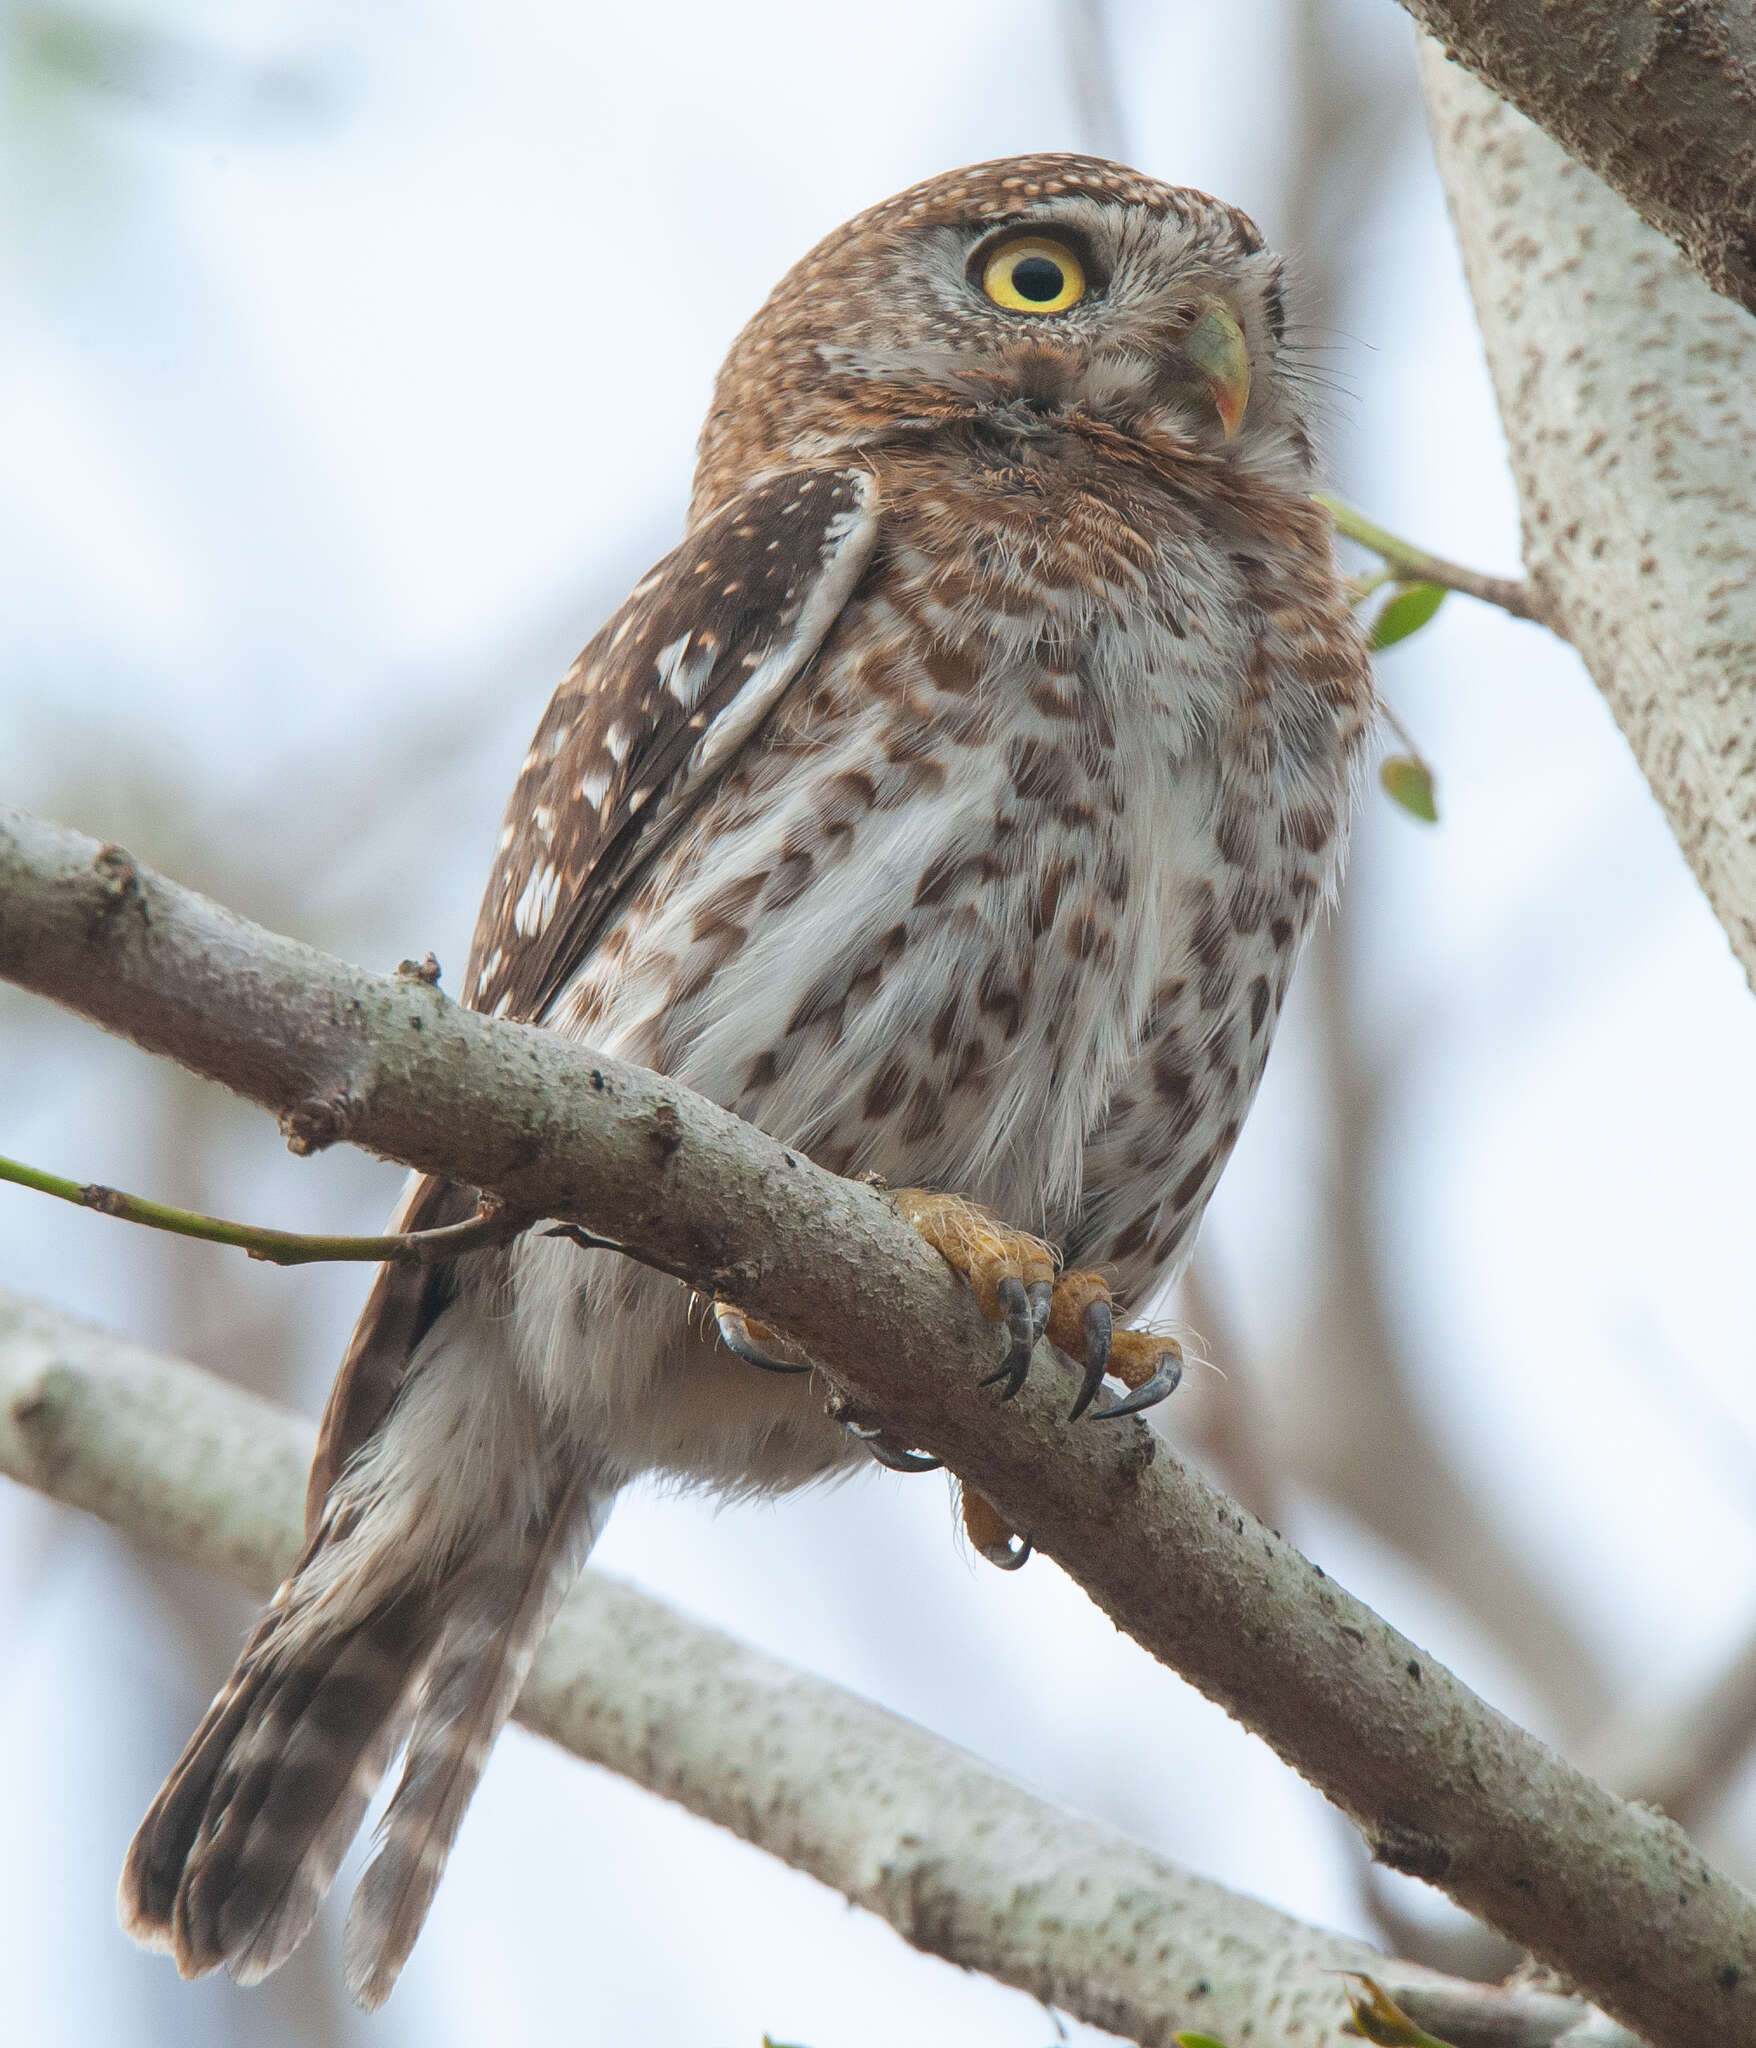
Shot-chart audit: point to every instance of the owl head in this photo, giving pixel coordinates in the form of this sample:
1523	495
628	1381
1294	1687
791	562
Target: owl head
1010	298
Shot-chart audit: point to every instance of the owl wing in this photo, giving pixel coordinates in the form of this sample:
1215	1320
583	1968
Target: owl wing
649	716
643	725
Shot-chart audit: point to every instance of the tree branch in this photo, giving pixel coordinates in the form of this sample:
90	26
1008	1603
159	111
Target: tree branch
1411	564
1660	101
963	1864
1628	395
1443	1786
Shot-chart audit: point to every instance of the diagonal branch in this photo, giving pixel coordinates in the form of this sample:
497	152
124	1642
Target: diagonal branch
960	1862
1614	1896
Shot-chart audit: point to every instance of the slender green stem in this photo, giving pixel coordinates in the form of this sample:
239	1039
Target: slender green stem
1414	565
279	1247
1402	733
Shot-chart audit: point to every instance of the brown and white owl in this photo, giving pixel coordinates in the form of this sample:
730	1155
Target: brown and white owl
953	802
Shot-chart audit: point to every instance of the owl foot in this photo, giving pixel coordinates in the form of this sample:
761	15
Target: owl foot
1011	1274
891	1455
1082	1326
998	1544
755	1343
1150	1367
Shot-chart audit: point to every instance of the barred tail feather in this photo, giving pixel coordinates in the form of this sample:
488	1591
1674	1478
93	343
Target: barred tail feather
153	1870
497	1615
443	1544
252	1900
236	1853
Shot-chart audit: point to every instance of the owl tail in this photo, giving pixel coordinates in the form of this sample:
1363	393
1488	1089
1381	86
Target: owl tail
242	1844
415	1613
243	1841
492	1634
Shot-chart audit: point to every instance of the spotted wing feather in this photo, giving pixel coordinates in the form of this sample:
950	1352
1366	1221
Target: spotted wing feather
650	715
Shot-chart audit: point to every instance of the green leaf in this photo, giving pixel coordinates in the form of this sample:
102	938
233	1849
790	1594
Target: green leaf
1409	782
1197	2041
1407	612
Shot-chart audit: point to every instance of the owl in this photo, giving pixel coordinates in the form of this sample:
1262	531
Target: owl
953	802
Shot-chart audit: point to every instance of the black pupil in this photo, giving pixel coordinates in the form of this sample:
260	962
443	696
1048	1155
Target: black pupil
1038	278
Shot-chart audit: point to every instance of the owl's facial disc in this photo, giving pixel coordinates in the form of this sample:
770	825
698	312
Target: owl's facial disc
1138	335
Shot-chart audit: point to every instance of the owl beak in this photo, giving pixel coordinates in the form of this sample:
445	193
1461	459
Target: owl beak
1216	347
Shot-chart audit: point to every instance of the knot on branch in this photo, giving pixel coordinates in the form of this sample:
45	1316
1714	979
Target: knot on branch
665	1132
119	889
426	970
843	1408
320	1121
40	1414
738	1280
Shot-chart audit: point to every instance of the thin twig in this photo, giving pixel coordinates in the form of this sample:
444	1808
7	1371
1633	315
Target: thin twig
1414	565
492	1225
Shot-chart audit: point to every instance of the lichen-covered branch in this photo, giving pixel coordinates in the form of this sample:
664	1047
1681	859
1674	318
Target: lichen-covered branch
1660	101
1614	1896
1628	394
959	1861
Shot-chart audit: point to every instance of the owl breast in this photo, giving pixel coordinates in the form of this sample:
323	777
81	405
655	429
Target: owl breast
1027	826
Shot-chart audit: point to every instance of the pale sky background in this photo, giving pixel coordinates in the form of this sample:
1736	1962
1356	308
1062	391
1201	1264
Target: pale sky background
350	366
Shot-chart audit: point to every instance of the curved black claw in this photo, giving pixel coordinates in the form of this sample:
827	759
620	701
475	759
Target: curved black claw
1164	1381
1100	1326
1021	1326
734	1334
1012	1560
903	1461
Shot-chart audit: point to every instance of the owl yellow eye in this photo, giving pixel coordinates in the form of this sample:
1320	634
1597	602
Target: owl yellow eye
1031	274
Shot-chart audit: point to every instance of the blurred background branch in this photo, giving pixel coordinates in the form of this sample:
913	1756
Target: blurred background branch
958	1860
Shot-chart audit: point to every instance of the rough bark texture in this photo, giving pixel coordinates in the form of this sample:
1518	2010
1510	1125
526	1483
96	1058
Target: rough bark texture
1614	1896
961	1863
1657	96
1628	394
